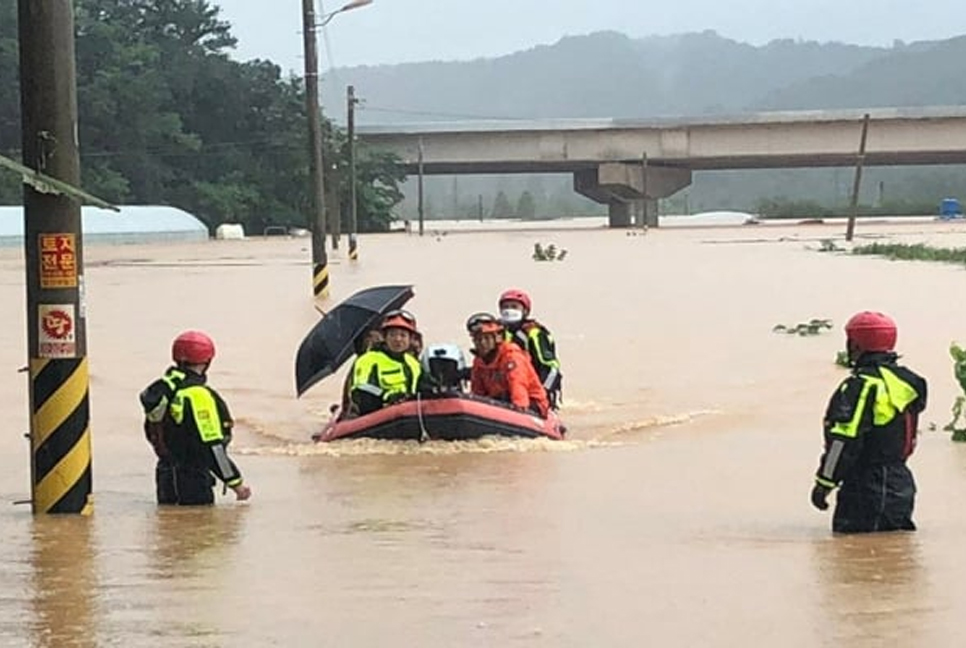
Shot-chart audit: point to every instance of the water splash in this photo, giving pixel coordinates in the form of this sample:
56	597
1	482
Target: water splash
658	421
484	445
363	447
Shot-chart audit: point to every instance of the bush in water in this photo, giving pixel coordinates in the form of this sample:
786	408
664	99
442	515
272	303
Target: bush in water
959	370
812	327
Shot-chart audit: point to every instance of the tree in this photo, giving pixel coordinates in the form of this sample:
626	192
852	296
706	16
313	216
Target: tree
378	176
165	116
501	206
526	206
10	188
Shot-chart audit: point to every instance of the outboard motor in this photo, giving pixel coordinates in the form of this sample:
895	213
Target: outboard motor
446	364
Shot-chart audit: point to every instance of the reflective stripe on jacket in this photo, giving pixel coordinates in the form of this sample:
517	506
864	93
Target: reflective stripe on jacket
509	377
872	419
536	340
156	397
198	430
379	375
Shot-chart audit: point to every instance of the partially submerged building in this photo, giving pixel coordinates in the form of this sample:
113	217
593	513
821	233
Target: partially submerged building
133	224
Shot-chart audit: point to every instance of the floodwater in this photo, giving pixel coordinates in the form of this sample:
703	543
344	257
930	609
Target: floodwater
676	514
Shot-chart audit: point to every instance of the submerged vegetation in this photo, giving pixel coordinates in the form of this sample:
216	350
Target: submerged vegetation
549	253
811	327
913	252
959	370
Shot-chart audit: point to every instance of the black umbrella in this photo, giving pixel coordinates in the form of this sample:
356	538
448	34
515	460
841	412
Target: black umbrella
332	341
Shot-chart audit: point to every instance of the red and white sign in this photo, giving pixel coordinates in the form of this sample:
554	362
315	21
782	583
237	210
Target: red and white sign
58	334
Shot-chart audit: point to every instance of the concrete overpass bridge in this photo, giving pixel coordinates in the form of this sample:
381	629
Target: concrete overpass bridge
630	164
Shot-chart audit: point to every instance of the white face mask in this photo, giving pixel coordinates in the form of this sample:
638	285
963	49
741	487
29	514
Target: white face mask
511	315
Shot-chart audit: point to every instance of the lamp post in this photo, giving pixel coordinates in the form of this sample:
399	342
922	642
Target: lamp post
320	262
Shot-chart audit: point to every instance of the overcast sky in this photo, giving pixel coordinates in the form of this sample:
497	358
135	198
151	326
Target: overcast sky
394	31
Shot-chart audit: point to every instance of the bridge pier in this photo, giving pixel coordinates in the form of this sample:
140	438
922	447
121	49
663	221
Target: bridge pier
619	214
623	185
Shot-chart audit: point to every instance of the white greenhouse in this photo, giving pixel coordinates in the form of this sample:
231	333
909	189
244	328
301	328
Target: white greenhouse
133	224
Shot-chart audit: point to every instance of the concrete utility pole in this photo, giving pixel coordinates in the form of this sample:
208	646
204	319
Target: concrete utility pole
351	102
320	261
60	438
850	228
421	201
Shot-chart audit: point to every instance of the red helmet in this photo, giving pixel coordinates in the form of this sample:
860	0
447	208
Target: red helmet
871	331
480	323
193	347
400	319
515	294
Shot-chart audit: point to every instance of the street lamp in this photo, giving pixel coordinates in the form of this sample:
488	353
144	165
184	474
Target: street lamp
355	4
320	262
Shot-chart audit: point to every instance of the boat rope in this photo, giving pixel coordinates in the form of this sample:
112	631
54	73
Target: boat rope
423	433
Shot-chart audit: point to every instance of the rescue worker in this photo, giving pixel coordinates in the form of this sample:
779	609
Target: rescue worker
197	427
362	344
388	372
500	369
416	348
534	338
870	430
155	400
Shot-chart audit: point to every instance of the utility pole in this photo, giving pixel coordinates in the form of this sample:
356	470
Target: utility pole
333	207
320	261
420	186
456	197
60	437
644	214
351	102
850	228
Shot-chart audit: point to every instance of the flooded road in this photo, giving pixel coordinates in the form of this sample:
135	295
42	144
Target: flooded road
676	513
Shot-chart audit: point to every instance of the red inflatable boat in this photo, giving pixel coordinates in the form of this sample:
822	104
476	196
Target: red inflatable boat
451	417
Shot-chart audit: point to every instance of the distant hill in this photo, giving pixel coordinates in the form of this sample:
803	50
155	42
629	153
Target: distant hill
926	74
604	74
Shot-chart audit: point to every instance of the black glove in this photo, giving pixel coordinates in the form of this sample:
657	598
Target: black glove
819	497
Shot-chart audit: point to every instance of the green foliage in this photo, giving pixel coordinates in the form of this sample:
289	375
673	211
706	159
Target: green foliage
781	207
959	371
378	176
916	251
812	327
11	190
784	208
502	207
548	253
842	359
829	245
526	206
165	116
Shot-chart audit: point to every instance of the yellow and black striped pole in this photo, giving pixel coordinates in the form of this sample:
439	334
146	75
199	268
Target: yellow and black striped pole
353	247
60	438
320	279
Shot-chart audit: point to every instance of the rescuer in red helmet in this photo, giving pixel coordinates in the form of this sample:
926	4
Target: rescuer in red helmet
500	369
388	372
189	426
534	338
870	430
